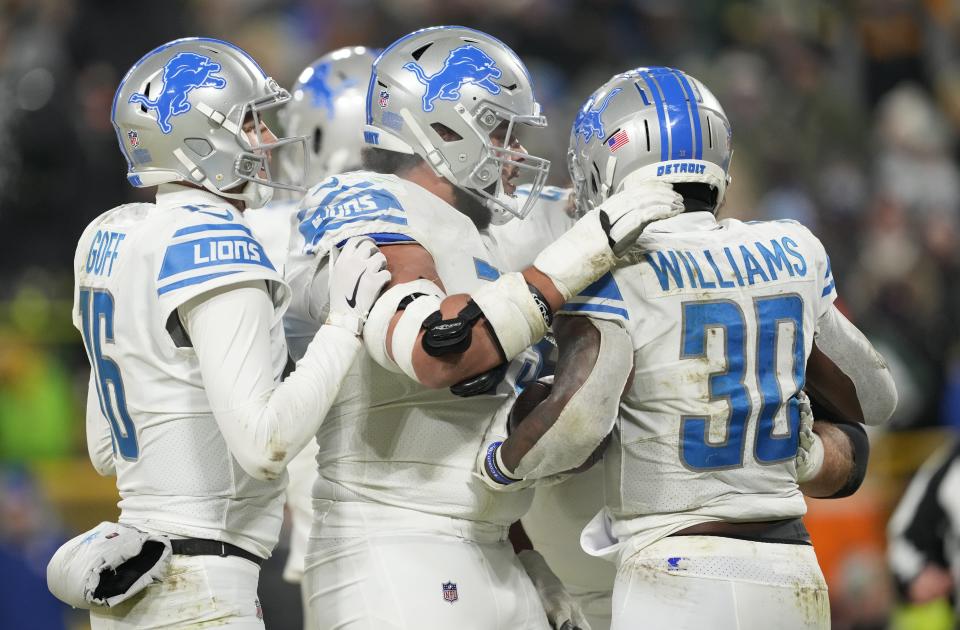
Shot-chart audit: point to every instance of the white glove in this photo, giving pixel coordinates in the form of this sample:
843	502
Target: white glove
624	215
810	455
563	612
358	274
83	571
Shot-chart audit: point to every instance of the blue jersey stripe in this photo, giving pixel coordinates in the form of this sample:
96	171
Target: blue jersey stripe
828	289
383	238
595	308
694	113
485	271
606	287
193	229
191	281
658	102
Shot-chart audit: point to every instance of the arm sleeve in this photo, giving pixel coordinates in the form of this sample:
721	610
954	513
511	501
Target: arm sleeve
854	355
264	425
99	437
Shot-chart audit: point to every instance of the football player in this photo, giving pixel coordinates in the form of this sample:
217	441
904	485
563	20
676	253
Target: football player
710	330
327	106
179	307
405	536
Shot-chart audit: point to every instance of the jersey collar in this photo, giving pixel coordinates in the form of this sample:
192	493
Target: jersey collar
686	222
173	195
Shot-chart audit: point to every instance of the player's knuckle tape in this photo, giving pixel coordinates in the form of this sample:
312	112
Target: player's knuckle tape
378	320
590	413
578	257
512	313
407	330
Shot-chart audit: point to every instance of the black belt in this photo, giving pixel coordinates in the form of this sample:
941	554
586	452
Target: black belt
203	547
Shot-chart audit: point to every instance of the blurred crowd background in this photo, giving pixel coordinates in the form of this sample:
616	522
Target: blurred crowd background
845	115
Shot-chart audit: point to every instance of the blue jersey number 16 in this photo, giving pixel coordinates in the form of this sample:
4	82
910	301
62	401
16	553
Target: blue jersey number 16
96	305
704	319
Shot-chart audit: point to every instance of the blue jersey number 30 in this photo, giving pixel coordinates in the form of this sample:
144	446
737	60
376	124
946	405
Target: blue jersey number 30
704	319
96	305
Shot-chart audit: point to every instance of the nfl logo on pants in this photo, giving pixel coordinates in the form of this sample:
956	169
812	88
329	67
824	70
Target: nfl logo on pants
450	592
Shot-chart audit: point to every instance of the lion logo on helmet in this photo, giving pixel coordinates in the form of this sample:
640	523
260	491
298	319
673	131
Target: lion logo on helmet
588	120
184	73
466	64
322	94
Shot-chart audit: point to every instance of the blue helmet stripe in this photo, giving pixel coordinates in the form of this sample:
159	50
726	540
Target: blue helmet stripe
694	112
658	102
677	114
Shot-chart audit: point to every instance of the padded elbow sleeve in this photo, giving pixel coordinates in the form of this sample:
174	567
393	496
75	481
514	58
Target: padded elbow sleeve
378	321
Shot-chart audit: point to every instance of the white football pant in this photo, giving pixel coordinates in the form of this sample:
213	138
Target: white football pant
199	591
697	582
375	567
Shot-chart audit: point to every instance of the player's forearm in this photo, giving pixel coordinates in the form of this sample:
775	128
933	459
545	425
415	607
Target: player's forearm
847	375
838	462
263	424
99	440
274	428
564	430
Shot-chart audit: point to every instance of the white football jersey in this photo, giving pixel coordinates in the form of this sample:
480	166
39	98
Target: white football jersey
389	439
722	317
271	226
134	266
519	241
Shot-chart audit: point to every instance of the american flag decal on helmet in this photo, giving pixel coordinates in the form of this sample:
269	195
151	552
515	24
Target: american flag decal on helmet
617	140
450	592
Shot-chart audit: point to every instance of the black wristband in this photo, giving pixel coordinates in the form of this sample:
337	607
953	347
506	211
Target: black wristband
861	456
542	304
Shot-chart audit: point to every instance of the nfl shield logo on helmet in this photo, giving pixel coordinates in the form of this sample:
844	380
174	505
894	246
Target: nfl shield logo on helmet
134	138
450	592
384	98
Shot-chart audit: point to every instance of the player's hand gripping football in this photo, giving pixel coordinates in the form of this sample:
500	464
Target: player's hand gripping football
810	455
563	612
358	274
624	215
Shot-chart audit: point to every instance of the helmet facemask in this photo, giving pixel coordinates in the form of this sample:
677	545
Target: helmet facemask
260	160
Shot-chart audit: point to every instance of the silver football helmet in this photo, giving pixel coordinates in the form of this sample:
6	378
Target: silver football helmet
179	114
440	93
648	123
327	106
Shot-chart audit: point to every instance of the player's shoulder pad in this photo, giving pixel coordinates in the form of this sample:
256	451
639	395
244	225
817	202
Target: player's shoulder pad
123	217
355	204
602	299
201	246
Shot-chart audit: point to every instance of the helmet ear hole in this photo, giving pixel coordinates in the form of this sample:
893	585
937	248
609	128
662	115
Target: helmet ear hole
446	133
317	140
